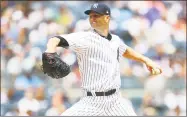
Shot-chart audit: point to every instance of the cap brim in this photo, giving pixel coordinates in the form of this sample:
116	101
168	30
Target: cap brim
87	12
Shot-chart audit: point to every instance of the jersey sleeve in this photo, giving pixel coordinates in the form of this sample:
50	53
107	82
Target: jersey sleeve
122	47
75	40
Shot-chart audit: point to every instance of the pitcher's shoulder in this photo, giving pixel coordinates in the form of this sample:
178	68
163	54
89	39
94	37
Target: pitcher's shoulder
86	32
81	34
115	37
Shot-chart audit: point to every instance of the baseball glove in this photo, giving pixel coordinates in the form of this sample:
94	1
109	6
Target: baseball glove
53	66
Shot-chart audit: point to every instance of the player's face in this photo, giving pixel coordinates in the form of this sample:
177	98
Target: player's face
98	20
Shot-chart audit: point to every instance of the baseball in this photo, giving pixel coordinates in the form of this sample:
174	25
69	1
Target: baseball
155	71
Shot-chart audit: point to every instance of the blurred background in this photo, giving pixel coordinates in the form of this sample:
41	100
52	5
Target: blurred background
156	29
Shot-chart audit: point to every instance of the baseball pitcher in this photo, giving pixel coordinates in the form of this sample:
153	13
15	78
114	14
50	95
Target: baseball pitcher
98	53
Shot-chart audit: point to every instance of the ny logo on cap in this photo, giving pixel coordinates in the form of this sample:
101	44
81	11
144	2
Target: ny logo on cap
95	5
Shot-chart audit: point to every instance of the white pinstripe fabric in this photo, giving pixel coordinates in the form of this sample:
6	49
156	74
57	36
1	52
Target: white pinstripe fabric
98	60
113	105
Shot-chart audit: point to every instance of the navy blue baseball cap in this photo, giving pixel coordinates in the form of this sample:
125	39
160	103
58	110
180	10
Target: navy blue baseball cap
99	8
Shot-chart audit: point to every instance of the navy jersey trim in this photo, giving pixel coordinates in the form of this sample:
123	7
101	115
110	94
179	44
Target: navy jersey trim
109	36
63	43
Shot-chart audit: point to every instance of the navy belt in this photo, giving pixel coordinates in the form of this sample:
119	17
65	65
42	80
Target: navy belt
110	92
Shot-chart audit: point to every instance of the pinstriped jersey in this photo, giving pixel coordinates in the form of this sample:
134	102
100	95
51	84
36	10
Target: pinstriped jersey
98	59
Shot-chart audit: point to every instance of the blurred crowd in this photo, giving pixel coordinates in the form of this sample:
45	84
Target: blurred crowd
156	29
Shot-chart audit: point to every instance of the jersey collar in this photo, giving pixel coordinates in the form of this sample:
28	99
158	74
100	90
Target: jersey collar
109	36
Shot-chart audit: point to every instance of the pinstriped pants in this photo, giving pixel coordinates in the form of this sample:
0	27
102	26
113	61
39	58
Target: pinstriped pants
113	105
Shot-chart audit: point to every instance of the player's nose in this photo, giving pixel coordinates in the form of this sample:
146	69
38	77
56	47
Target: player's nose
92	19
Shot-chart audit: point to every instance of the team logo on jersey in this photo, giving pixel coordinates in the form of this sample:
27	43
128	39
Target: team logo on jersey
95	5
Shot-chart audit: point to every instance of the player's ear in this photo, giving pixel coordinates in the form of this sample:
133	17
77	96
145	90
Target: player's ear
107	18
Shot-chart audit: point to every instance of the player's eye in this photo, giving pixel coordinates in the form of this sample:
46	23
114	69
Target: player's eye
94	16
